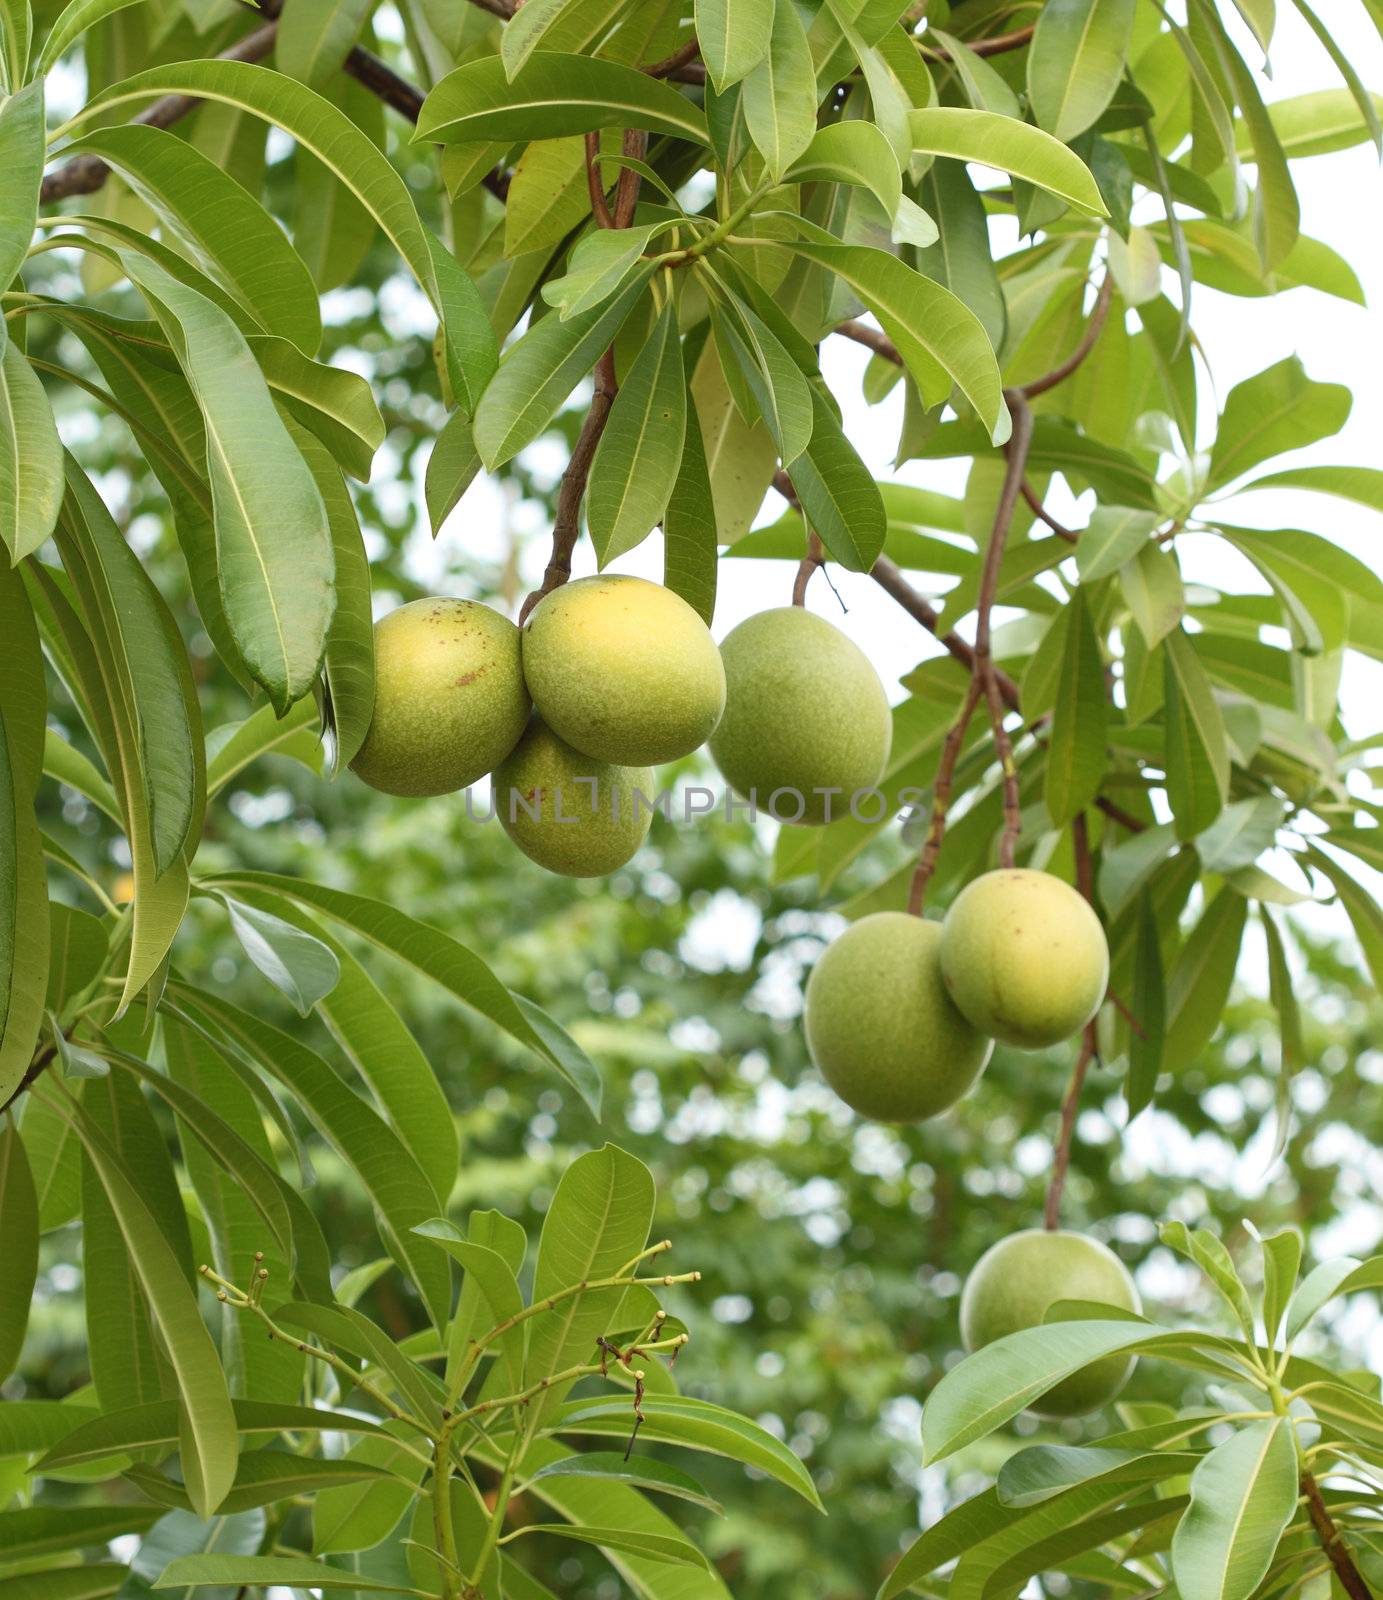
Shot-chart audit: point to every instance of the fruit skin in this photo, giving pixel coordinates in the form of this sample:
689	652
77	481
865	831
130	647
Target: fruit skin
1024	957
450	700
1015	1281
578	831
624	670
880	1027
804	710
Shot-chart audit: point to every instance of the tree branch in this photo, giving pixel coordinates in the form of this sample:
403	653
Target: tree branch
1033	502
1017	452
996	45
871	338
1332	1541
671	65
87	174
941	800
815	557
1099	313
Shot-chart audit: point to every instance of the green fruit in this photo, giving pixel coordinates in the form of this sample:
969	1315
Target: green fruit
450	699
624	670
1024	957
805	713
567	812
880	1027
1012	1286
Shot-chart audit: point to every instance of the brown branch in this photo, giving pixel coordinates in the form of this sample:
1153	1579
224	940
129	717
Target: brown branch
1061	1160
42	1059
1020	442
633	145
879	343
1332	1541
810	562
995	45
1034	503
674	63
891	580
87	174
1099	312
600	208
941	800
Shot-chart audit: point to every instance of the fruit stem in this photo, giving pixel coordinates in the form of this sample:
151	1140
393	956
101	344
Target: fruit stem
941	800
1061	1159
815	557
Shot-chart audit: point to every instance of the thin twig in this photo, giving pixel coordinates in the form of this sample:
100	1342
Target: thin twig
1059	374
871	338
1033	501
1020	441
995	45
1061	1160
595	187
810	562
941	800
1332	1542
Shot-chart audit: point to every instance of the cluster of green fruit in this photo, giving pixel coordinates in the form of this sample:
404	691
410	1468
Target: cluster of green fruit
901	1016
609	677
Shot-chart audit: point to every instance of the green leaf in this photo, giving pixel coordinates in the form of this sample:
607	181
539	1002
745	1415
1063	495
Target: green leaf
1010	146
1325	1283
30	1426
1363	485
75	19
1001	1379
316	36
640	453
1153	591
505	1238
299	1572
265	1477
1077	755
273	542
1243	1495
1281	1263
361	1515
740	460
42	1530
236	745
18	1243
335	406
779	97
600	264
1362	909
224	228
1276	410
651	1546
1113	537
1149	1004
1076	61
1210	1255
1196	751
155	1427
391	1176
21	172
23	879
850	152
493	1276
1368	111
95	1581
1042	1471
443	959
70	767
551	95
838	494
30	457
940	339
295	962
597	1223
451	468
644	1472
690	556
963	1527
207	1424
541	370
1199	984
776	386
734	37
696	1425
1313	124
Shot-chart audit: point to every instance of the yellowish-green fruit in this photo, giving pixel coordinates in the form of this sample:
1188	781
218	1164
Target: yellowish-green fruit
1015	1281
450	699
1024	957
806	722
568	812
624	670
880	1027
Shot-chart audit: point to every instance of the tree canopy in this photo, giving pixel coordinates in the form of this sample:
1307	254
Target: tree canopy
284	1056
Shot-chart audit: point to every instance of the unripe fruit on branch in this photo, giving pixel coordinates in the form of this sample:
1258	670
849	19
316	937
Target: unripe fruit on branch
1024	957
804	713
567	812
880	1027
450	699
624	670
1014	1283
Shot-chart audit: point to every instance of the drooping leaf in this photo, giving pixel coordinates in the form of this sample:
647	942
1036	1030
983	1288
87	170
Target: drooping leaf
18	1243
1075	62
21	171
1011	146
1196	752
780	95
839	497
30	457
295	962
1077	756
1243	1495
